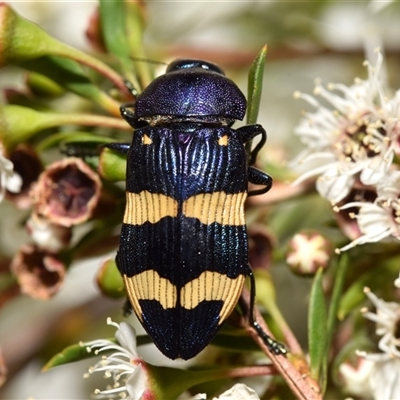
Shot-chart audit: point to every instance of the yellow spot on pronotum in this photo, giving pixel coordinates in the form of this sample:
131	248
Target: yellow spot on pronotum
148	207
146	140
223	140
226	209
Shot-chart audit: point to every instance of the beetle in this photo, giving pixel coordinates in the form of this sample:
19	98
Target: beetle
183	251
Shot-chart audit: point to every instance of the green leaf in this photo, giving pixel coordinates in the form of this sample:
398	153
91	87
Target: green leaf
78	352
317	326
136	24
75	352
255	81
169	383
19	124
41	86
22	40
113	16
375	279
75	139
340	274
70	75
235	340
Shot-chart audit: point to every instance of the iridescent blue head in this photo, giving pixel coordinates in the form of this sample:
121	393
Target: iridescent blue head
191	90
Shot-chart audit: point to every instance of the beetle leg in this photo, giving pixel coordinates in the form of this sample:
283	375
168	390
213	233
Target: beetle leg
127	308
248	133
274	346
122	148
258	177
129	85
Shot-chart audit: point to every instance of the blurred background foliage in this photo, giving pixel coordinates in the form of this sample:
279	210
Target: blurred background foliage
306	40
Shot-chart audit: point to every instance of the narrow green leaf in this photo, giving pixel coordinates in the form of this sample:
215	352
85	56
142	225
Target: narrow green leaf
317	327
70	75
41	86
75	139
374	279
343	263
136	24
255	81
75	352
20	124
235	340
114	28
340	273
22	40
169	383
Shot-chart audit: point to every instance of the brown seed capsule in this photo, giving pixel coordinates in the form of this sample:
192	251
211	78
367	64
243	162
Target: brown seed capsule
67	192
40	274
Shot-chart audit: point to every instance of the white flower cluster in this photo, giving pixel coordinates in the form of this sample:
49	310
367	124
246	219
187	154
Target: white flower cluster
377	375
351	147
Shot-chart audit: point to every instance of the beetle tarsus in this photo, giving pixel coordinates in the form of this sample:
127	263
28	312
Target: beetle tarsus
274	346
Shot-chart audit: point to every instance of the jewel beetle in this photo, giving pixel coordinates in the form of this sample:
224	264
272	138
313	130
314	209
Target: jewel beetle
183	251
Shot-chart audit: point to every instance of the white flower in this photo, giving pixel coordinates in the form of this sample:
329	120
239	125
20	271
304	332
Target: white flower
47	235
238	392
9	180
380	219
387	318
356	378
384	380
352	140
124	365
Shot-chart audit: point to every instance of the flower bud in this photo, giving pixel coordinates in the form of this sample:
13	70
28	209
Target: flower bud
109	280
307	252
112	165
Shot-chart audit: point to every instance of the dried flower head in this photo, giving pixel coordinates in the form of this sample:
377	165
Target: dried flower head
67	192
40	274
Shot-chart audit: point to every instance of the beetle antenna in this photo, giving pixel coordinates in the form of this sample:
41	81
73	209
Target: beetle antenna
148	60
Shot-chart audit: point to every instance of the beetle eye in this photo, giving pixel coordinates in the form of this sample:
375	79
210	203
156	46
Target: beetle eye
189	64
